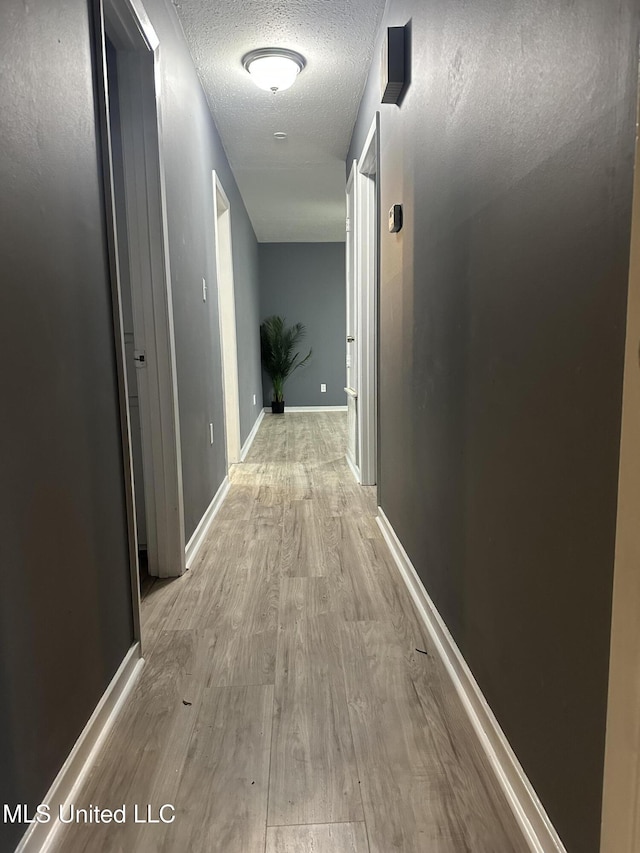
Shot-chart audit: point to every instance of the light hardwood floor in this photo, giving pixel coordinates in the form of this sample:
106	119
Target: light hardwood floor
283	707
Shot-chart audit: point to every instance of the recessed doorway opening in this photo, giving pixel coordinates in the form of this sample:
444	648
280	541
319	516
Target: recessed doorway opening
143	313
227	317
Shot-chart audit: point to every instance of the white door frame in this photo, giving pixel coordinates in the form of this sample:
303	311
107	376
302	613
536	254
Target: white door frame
138	51
621	796
227	319
367	270
351	324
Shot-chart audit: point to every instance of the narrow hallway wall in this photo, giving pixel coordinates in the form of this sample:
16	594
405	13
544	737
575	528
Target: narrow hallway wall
191	150
502	318
65	603
305	282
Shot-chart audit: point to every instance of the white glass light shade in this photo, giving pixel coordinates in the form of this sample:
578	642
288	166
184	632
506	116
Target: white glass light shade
273	70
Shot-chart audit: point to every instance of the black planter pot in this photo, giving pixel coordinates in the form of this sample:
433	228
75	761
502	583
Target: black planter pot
277	408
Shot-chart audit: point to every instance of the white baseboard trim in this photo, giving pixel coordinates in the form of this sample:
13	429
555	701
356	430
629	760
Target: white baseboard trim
353	469
537	829
254	429
267	409
199	534
40	836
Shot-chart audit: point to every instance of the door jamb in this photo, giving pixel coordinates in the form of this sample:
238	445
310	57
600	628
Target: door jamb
130	27
368	266
351	269
227	321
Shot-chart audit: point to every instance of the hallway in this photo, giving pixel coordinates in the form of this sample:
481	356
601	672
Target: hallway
283	706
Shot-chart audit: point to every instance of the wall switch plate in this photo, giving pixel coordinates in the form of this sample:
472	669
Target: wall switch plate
254	399
210	433
323	388
204	290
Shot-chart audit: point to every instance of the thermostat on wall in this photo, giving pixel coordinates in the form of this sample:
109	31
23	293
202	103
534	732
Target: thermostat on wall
395	218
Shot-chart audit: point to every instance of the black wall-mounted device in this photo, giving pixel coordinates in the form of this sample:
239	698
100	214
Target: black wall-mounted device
392	71
395	218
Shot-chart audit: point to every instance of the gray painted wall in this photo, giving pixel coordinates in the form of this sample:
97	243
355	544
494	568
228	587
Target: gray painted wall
192	149
65	609
502	318
65	604
305	282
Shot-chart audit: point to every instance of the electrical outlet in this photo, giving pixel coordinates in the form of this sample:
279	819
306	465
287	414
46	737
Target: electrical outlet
254	399
323	388
204	290
210	433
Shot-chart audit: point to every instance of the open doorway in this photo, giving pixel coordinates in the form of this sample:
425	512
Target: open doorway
362	310
141	284
351	388
227	318
621	800
134	347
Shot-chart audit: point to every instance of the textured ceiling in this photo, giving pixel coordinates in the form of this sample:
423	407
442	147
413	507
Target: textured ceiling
293	189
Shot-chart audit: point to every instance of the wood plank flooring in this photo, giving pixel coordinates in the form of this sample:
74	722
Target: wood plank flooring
283	707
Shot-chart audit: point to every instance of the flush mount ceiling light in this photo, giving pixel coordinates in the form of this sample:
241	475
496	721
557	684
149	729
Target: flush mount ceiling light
274	69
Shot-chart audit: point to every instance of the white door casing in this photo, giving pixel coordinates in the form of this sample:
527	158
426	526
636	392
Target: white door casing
137	49
367	229
351	386
227	320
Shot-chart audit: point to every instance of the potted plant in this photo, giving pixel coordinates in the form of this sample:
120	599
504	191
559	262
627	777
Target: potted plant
277	344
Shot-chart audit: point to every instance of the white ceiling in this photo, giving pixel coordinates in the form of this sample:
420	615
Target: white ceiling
293	189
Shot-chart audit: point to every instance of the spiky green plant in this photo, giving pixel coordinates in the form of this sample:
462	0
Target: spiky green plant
277	344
